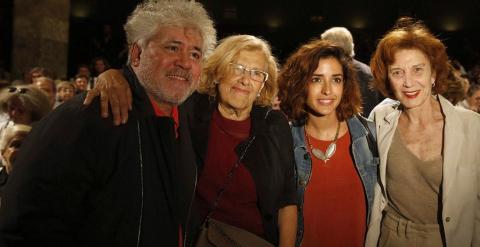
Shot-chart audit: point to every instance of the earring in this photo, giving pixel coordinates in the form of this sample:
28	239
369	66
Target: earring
433	83
216	82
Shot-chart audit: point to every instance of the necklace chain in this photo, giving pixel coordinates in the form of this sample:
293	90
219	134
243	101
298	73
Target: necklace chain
329	152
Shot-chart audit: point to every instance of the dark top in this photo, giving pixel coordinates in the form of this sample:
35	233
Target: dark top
84	182
238	204
269	158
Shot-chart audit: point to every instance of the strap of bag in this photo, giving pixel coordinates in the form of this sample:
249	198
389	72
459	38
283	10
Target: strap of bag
371	140
228	179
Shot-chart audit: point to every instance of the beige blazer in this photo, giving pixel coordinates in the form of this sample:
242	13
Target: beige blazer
461	173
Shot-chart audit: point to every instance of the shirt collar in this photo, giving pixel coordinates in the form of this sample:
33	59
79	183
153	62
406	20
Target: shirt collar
159	113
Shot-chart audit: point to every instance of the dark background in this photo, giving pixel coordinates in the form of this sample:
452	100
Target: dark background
285	24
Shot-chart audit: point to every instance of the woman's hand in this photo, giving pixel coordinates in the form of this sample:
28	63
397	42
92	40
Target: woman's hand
287	224
113	89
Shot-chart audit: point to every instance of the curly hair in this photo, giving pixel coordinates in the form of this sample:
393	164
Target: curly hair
297	72
216	66
144	21
409	34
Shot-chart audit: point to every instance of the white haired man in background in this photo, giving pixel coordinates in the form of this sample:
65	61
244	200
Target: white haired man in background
343	38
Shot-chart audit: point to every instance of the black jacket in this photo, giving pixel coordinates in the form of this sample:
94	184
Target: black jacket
80	181
269	158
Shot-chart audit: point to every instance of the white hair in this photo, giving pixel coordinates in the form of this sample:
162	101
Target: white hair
10	131
341	37
145	20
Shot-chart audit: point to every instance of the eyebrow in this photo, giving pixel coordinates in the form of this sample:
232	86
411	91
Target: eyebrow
419	65
335	75
251	68
415	65
176	42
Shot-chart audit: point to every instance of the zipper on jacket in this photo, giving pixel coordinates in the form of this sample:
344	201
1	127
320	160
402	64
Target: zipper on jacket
187	221
141	185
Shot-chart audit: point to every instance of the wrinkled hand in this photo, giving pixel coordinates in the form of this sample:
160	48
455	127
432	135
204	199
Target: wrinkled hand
113	90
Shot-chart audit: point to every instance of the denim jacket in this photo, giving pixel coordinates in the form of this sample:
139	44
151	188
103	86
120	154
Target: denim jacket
365	163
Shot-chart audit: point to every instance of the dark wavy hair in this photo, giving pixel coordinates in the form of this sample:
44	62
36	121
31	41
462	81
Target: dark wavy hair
297	72
409	33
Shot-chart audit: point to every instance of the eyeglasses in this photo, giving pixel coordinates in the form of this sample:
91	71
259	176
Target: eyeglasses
256	75
20	90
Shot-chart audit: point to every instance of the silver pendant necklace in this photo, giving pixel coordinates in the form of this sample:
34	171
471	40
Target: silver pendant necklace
319	154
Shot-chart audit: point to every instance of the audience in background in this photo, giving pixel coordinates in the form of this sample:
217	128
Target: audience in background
24	104
456	87
99	65
81	83
47	85
36	72
83	69
65	91
472	102
10	142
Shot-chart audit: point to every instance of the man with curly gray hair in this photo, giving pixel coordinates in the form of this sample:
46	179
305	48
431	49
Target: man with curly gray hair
81	181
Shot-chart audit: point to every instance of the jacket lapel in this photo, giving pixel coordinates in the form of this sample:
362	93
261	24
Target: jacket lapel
199	123
385	132
452	145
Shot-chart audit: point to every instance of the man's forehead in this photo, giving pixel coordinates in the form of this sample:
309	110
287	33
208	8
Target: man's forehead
184	35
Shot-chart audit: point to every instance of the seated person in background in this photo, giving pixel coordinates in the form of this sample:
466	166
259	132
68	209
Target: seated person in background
10	142
24	104
456	91
83	69
65	91
99	65
472	102
80	83
36	72
47	85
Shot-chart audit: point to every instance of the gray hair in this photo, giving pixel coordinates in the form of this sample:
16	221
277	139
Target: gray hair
145	20
341	37
10	131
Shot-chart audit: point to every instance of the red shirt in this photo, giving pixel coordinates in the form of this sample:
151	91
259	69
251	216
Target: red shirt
334	204
159	113
238	204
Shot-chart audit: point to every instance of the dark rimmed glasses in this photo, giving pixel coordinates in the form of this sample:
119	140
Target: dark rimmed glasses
255	74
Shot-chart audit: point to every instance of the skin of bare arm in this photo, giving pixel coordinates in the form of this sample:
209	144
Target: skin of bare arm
113	89
287	224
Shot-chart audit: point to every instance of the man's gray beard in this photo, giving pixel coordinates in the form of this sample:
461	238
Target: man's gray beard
159	95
